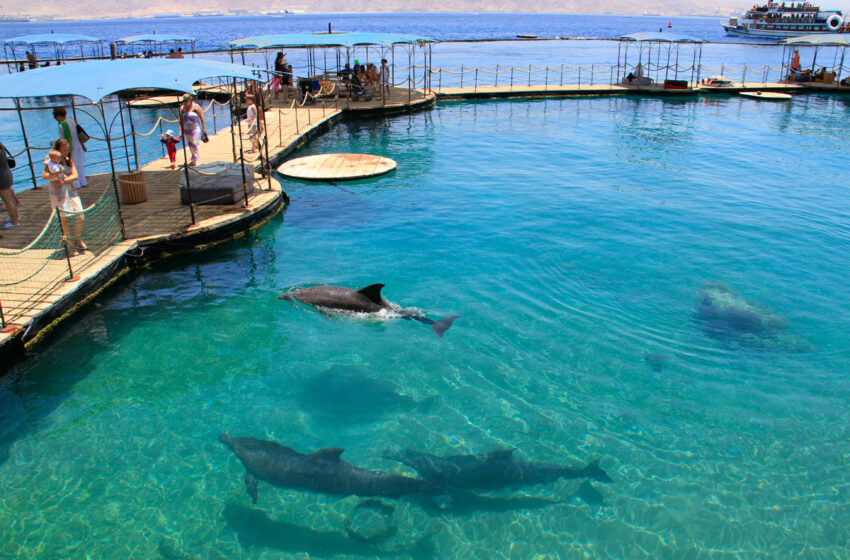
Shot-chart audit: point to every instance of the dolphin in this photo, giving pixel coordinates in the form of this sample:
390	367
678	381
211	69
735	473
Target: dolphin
322	471
491	471
365	300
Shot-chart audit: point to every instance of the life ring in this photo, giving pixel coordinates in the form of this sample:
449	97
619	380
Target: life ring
834	22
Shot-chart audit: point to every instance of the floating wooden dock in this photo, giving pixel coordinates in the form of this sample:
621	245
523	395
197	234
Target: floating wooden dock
159	225
484	92
337	167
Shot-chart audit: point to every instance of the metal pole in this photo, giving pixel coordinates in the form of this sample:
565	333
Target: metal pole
268	162
26	142
694	68
133	132
676	74
112	167
186	173
231	103
124	133
497	76
242	162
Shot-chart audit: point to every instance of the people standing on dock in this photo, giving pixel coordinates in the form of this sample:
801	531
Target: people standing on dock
279	71
193	125
62	175
68	130
385	79
6	191
170	146
253	124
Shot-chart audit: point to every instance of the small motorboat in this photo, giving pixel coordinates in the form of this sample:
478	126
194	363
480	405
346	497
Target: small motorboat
718	81
766	95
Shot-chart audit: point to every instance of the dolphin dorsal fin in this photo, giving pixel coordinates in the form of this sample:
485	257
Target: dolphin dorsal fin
329	453
501	455
373	292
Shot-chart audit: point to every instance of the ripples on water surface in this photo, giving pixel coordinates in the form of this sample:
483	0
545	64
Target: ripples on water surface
574	237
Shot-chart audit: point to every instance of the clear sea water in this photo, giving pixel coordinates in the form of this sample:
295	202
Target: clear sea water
574	237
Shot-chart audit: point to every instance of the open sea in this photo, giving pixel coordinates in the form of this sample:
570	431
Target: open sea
659	284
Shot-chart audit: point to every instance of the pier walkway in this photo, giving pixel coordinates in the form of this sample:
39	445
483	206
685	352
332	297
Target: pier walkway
484	92
41	281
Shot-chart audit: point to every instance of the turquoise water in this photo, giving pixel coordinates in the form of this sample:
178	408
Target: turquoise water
574	237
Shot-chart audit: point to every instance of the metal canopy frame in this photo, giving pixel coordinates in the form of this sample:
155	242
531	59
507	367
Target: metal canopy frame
96	108
838	42
58	41
651	47
344	46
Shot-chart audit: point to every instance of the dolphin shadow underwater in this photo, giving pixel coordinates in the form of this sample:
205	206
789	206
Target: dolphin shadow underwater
728	317
256	528
323	471
368	300
490	471
349	395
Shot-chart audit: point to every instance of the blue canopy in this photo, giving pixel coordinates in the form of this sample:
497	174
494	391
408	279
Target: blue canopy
51	38
335	39
661	38
95	79
154	38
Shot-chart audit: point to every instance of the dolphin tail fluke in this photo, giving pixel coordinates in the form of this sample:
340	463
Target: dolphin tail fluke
441	326
592	470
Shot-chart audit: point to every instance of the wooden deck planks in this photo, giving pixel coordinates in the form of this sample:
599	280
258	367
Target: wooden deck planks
162	217
337	167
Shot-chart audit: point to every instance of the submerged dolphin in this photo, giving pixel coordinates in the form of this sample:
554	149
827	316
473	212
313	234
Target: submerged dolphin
491	471
322	471
364	300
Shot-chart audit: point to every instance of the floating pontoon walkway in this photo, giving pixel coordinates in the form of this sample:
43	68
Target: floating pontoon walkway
159	225
485	92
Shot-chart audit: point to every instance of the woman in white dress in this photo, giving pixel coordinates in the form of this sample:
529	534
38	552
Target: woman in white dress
64	197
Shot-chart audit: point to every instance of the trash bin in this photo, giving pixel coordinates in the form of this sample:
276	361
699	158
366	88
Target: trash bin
132	187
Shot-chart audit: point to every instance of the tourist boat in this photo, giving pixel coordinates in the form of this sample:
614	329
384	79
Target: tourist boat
781	19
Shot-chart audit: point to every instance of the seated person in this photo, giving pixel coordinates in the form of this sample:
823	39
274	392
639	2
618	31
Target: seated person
371	75
818	76
359	92
345	73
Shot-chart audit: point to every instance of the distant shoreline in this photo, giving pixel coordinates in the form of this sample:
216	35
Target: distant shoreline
59	19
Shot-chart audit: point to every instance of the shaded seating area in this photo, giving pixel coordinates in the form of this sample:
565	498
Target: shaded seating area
658	61
330	61
798	69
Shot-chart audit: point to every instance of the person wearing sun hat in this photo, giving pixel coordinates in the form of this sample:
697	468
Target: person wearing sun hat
170	145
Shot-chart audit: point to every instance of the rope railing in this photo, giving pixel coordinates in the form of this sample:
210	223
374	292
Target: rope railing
563	74
68	243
